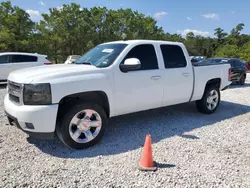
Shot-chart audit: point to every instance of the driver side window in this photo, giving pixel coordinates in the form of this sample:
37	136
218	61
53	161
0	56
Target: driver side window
146	54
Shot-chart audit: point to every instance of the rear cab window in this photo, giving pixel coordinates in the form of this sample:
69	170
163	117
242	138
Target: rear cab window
23	58
173	56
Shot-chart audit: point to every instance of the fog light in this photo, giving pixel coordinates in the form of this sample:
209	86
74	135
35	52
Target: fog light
29	125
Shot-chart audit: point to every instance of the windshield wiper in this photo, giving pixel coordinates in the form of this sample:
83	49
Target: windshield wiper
84	63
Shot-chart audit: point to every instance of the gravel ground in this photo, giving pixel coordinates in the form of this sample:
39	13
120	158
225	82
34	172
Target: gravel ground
191	149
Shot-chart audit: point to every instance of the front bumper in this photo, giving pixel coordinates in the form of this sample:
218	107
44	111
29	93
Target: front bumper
37	121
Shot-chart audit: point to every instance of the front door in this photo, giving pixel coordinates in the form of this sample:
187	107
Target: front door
141	89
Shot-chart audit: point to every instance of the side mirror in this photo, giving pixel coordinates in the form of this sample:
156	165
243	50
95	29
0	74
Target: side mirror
130	64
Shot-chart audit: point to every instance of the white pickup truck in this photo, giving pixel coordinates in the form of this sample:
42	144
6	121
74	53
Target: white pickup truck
111	79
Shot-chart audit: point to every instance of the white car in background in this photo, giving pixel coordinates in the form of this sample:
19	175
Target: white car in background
11	61
71	59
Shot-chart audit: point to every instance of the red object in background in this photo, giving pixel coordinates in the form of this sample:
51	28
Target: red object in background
47	63
248	66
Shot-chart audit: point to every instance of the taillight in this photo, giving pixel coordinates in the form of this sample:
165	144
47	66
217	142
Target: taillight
229	74
47	63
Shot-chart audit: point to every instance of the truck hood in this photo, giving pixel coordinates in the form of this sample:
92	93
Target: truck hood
47	73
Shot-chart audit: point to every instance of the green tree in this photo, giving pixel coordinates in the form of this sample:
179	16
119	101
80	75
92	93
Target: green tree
220	35
230	51
245	52
15	28
74	30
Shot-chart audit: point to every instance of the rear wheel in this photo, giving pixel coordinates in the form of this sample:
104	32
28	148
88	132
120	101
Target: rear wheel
82	126
242	80
210	100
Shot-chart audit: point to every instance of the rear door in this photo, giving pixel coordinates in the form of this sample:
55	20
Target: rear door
22	61
177	75
5	68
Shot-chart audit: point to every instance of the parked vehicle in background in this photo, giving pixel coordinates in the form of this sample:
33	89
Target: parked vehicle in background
111	79
197	58
71	59
248	66
12	61
238	68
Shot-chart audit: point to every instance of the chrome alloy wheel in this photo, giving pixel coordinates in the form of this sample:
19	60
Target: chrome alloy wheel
212	100
85	126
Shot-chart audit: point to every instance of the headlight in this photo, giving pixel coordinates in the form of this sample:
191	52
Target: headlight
37	94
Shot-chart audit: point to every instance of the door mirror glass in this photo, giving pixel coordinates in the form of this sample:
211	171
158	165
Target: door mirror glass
130	64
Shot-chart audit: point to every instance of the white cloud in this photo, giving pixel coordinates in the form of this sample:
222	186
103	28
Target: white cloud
34	14
189	18
211	16
159	15
196	32
42	3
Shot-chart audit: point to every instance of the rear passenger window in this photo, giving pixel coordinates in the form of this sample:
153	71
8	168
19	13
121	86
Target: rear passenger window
146	54
173	56
23	58
4	59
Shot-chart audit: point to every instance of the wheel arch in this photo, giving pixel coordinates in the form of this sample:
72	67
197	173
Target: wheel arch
98	97
215	81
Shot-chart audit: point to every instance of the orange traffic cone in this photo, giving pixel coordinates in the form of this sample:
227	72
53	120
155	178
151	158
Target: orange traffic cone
146	163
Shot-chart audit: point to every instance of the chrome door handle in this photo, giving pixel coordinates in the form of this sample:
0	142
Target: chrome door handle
155	77
185	74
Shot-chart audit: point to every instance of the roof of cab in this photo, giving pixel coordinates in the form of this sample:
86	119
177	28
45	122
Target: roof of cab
21	53
143	42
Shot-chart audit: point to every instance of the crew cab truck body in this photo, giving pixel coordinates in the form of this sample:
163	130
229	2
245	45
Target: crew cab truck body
111	79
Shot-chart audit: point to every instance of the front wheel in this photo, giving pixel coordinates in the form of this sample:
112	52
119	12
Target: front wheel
210	100
82	126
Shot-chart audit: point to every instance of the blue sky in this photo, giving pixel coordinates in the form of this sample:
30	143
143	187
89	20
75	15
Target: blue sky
175	16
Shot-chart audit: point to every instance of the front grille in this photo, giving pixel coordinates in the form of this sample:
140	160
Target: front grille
14	91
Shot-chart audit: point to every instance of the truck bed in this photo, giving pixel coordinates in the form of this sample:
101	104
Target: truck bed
205	72
198	64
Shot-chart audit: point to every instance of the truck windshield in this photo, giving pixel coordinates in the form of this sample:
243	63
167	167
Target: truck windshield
102	55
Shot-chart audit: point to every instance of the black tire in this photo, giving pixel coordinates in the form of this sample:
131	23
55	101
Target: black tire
62	129
242	80
202	106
